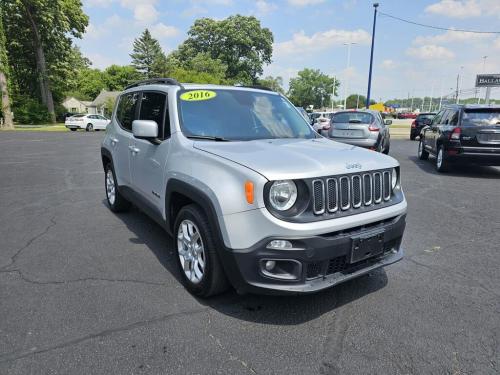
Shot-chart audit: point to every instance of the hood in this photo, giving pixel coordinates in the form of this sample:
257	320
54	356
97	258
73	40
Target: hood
278	159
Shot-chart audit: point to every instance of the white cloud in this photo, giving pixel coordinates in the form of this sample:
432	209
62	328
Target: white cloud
465	8
455	8
496	43
97	3
264	7
98	31
430	52
144	10
162	31
303	44
194	11
388	64
451	37
303	3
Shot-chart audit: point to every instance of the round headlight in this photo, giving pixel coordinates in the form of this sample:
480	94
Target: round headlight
394	180
283	194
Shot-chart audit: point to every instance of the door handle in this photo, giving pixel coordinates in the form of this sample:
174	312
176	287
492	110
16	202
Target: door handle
133	149
114	141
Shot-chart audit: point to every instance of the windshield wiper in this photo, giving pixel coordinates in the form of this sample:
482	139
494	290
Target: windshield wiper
209	137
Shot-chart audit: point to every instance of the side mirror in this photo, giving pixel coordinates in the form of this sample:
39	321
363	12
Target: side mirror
427	121
145	129
388	122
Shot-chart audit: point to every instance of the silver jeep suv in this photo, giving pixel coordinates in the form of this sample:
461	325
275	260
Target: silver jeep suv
251	194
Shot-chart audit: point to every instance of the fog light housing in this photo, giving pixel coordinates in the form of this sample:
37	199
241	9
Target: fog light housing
279	244
283	269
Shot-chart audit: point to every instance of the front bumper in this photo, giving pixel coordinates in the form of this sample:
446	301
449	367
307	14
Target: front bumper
325	260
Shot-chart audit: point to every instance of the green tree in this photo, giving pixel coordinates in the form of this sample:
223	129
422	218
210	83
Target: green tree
4	74
274	83
311	87
355	101
89	83
239	42
118	77
41	32
146	54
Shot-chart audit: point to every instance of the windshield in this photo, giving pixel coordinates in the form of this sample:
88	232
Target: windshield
240	115
484	117
352	117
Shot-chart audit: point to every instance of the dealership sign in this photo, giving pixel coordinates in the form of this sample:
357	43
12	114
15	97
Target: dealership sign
487	80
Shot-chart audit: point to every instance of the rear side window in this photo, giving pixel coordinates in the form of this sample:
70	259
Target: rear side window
153	105
353	118
481	117
125	111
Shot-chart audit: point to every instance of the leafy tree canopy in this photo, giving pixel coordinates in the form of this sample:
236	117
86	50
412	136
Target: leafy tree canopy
238	41
274	83
311	87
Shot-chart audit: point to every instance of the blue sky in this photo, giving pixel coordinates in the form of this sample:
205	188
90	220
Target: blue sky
312	33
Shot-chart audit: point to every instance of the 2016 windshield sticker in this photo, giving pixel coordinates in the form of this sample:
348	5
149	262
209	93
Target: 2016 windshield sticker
197	95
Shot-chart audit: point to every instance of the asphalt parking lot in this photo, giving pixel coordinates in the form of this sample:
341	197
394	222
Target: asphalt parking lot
84	291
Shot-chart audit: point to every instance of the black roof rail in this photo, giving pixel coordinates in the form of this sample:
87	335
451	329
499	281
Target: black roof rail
152	81
259	87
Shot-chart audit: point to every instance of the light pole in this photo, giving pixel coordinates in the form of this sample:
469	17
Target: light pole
375	6
346	85
333	91
459	84
484	71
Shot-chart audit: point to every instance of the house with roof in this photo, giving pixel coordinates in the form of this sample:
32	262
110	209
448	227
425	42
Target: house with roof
95	107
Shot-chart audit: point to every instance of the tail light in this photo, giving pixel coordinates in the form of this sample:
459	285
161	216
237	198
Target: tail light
455	134
414	124
373	128
326	127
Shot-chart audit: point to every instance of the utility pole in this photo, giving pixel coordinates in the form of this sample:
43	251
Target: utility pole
459	84
412	95
375	6
432	95
333	90
346	85
357	102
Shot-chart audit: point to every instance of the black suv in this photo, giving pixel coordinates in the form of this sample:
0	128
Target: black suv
418	124
468	133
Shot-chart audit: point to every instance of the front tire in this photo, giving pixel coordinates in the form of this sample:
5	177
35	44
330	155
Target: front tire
89	127
197	258
116	202
422	153
73	129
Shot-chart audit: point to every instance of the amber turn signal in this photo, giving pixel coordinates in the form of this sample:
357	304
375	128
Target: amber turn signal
249	191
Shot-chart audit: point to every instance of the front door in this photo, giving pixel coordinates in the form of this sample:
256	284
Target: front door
148	158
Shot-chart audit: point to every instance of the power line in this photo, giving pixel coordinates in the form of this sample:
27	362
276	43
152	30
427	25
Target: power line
437	27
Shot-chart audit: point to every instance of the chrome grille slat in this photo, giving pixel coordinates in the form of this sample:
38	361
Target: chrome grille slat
367	189
319	197
344	193
387	185
332	195
356	191
336	194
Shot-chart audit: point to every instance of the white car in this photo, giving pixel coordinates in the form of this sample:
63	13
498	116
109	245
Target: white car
321	120
87	122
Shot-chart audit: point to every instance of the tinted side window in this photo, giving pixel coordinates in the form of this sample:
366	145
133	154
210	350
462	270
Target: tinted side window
153	108
437	119
126	110
454	118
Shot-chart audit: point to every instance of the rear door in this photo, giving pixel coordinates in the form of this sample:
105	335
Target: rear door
120	139
148	158
480	127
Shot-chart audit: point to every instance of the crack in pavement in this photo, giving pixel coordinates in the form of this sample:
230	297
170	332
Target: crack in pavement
28	244
85	279
232	357
16	355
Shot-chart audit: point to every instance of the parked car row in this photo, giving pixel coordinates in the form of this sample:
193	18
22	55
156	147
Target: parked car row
87	122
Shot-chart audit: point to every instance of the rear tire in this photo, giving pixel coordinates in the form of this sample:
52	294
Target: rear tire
201	271
422	153
89	127
412	137
116	201
442	164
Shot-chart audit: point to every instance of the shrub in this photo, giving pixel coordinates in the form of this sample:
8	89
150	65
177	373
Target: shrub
29	111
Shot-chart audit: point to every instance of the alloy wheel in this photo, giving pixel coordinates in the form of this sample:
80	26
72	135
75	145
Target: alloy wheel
191	251
110	187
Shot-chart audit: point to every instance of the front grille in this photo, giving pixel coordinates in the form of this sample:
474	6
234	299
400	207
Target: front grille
343	193
337	264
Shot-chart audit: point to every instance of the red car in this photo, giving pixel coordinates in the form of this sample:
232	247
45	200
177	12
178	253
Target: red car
406	115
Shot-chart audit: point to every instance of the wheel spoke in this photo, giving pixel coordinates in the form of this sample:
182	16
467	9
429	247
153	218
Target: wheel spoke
198	272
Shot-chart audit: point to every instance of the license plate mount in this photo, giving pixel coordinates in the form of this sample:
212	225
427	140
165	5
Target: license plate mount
367	246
